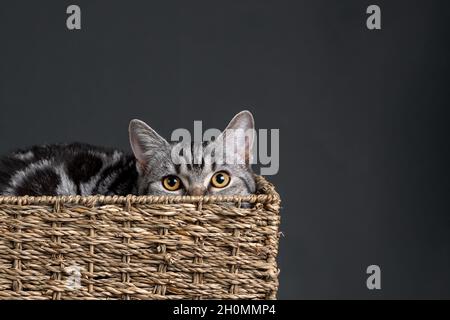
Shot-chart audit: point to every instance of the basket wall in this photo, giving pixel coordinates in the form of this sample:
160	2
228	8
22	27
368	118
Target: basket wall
140	247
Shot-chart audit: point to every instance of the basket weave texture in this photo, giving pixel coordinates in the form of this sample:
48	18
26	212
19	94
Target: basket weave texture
140	247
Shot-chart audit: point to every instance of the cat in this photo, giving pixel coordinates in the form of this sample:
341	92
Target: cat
153	168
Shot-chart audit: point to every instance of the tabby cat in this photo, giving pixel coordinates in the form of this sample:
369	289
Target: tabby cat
152	169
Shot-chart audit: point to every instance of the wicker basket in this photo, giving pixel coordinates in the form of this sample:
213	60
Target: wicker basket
140	247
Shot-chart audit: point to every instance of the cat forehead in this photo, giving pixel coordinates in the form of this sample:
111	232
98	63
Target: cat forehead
191	153
190	144
191	160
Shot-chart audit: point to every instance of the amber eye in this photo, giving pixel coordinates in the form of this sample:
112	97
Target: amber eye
171	183
220	179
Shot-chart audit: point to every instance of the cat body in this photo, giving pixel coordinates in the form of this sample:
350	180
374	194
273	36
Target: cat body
152	169
68	169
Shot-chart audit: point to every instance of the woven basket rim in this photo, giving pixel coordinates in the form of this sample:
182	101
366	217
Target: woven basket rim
266	194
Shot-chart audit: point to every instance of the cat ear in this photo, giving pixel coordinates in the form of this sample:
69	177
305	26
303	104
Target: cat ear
238	137
145	142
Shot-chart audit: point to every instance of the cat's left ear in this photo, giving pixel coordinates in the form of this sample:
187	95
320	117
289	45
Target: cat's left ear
238	137
145	142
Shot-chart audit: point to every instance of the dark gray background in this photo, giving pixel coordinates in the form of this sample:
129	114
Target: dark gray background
362	114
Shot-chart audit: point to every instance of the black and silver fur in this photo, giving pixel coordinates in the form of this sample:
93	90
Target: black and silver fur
82	169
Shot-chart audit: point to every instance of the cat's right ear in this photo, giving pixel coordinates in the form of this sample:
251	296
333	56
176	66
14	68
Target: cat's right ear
145	142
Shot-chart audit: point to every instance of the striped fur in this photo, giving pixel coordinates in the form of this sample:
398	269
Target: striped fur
82	169
67	169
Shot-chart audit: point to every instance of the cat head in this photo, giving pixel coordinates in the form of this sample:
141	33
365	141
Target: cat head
218	167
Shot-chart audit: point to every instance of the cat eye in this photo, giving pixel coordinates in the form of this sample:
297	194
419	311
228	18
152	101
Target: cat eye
220	179
171	183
